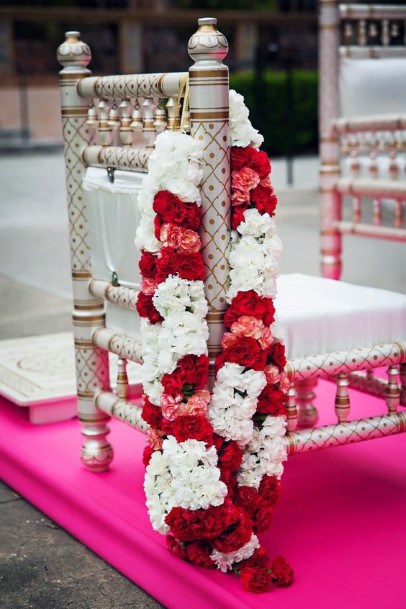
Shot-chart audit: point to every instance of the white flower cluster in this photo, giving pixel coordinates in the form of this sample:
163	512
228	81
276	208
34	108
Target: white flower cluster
242	133
254	256
184	474
184	331
225	562
234	402
265	453
174	165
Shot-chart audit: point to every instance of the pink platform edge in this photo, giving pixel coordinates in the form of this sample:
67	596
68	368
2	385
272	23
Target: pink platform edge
340	521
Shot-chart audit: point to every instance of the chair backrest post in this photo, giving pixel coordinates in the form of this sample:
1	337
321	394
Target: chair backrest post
329	150
209	117
91	363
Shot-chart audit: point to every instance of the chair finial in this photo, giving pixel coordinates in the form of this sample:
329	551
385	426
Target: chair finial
73	52
207	43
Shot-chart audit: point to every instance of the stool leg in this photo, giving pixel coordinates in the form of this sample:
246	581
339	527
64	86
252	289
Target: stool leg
403	384
307	412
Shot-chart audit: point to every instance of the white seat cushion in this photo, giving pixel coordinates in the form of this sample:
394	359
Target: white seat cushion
320	315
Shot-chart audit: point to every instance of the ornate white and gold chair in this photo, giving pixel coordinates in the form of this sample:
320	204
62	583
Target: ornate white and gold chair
111	123
104	169
362	125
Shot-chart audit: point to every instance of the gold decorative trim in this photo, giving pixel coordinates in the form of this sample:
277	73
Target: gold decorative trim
208	73
81	275
213	114
86	320
73	112
94	307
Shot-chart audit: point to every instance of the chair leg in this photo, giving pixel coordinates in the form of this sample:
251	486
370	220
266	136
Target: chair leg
331	239
307	412
403	383
392	392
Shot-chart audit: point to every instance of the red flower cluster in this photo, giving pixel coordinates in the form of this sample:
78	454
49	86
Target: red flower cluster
175	215
250	303
227	527
170	209
250	185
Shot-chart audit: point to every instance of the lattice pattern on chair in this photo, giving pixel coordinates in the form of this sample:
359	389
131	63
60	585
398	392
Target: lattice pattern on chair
362	157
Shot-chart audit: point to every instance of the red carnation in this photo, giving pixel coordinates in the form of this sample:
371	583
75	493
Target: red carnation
260	163
151	414
147	265
258	510
212	522
248	498
195	370
175	547
250	303
178	521
192	216
262	517
257	580
269	489
282	572
147	454
146	308
193	427
241	157
264	199
259	558
277	355
198	552
157	227
247	352
230	457
271	401
188	266
172	383
219	362
171	209
238	533
237	215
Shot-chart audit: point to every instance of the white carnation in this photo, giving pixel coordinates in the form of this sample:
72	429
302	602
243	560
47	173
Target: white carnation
242	133
256	225
176	294
265	453
225	562
184	474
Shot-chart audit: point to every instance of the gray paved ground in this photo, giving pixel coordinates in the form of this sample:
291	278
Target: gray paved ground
41	566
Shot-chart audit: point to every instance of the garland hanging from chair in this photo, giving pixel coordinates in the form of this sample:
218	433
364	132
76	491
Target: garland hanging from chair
213	461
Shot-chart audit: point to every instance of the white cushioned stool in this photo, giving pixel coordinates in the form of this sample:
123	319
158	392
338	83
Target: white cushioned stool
320	315
337	330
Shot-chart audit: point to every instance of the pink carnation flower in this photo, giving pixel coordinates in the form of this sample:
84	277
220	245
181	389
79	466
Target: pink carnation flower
180	238
247	325
171	406
148	286
198	402
154	439
272	374
228	340
243	182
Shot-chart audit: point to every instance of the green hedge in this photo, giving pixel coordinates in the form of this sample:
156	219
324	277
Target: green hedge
266	97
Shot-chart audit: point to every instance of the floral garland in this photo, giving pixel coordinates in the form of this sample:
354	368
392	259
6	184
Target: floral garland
214	462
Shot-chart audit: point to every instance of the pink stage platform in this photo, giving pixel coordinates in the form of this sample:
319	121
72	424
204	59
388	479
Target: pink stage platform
340	522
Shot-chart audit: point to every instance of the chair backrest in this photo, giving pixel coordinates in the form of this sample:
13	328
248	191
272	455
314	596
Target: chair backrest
112	122
362	122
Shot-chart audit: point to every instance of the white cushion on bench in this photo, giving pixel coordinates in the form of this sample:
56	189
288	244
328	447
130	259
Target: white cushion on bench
320	315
